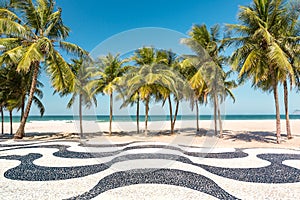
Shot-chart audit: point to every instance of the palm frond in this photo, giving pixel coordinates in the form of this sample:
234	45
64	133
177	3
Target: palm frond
40	105
73	48
32	54
61	75
5	13
9	27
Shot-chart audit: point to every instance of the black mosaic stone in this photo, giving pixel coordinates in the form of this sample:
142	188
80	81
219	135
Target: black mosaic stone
28	171
63	152
157	176
276	172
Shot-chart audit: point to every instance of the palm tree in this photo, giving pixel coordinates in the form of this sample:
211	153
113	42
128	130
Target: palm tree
259	55
109	75
130	100
39	30
2	110
2	119
151	81
288	40
141	57
209	78
188	68
170	59
15	87
83	74
2	98
154	75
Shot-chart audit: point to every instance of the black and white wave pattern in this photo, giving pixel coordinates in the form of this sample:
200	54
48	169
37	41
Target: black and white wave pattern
217	173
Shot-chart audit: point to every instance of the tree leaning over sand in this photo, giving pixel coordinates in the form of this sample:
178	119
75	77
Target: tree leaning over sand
259	55
40	30
106	79
210	78
15	87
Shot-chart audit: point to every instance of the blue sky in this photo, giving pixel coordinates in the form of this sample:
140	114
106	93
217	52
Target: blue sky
94	21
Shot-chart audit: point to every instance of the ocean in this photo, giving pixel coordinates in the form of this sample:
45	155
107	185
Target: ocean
105	118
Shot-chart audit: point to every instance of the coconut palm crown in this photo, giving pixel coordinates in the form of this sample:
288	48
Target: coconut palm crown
31	33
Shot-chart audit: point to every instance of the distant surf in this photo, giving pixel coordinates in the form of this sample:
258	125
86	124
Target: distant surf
105	118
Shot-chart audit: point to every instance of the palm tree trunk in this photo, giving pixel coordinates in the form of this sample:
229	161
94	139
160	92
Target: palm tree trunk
22	106
110	113
171	114
175	115
2	120
11	120
278	128
20	132
80	115
197	115
287	117
138	115
146	116
220	121
215	115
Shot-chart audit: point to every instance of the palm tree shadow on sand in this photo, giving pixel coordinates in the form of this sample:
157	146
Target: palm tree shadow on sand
250	136
246	136
42	136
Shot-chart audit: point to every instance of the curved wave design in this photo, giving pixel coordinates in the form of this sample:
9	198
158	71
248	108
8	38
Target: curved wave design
157	176
274	172
63	151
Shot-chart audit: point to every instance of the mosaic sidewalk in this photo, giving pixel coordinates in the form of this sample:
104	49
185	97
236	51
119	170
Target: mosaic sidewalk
145	170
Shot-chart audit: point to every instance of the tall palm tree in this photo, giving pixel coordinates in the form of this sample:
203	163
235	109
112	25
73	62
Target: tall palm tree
151	81
170	59
189	69
143	56
209	79
259	55
288	40
2	119
83	73
111	69
2	98
148	62
134	98
39	30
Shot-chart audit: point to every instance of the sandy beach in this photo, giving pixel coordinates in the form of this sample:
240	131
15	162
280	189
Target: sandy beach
237	133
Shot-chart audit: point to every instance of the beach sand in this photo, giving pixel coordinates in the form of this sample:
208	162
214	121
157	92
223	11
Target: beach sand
237	133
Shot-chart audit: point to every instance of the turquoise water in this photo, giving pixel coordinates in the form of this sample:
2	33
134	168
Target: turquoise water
104	118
